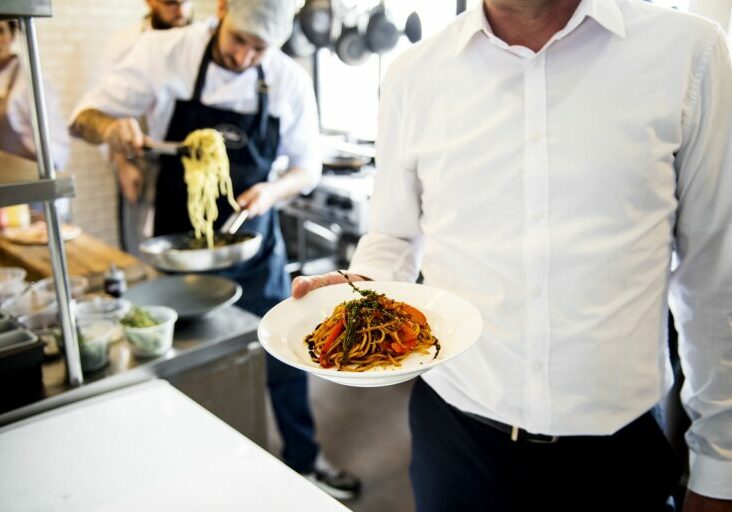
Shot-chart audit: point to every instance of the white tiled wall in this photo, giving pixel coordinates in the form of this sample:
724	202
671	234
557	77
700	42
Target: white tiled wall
71	44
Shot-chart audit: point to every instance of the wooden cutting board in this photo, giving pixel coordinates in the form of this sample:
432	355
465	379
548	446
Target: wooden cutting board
85	256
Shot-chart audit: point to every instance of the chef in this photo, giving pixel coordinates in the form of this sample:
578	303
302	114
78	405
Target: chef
238	81
16	127
137	179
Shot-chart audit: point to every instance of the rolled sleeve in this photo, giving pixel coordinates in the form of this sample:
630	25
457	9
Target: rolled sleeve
701	284
392	248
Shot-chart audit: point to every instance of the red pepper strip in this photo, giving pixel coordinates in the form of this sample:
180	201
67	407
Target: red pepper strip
406	332
334	333
404	340
414	314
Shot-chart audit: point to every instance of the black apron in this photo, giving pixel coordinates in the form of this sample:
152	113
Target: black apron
252	147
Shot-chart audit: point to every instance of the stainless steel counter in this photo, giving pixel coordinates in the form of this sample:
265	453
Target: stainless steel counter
206	353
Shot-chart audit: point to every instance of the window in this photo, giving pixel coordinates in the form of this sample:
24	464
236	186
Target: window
349	95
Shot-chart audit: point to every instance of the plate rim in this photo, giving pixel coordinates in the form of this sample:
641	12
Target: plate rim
331	374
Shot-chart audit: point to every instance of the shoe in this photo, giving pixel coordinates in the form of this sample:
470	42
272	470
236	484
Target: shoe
337	482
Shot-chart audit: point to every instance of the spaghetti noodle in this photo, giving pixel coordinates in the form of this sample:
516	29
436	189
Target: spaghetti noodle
207	177
370	332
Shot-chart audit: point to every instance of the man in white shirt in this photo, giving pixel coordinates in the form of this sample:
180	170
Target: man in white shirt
238	81
545	159
137	177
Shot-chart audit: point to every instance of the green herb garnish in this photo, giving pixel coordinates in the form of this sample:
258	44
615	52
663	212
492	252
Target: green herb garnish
138	317
356	310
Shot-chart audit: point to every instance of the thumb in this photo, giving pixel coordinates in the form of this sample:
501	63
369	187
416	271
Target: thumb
302	285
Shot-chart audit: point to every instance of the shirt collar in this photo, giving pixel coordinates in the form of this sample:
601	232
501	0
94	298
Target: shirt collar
605	12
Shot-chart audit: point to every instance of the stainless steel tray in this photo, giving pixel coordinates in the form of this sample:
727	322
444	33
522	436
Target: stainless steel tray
191	296
169	252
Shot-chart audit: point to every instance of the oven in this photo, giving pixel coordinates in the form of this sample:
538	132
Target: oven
322	228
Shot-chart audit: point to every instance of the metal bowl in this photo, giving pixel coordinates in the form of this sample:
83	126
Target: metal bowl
171	252
191	296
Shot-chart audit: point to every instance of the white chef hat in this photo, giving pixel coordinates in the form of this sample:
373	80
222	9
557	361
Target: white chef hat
269	19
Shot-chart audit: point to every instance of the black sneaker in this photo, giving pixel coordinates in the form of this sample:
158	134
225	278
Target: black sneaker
337	482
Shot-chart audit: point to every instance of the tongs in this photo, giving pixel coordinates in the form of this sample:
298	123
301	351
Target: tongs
234	222
167	148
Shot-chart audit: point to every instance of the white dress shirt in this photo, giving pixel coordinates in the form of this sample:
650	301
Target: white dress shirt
162	66
19	114
550	189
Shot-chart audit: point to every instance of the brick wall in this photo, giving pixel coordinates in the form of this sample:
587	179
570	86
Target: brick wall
71	45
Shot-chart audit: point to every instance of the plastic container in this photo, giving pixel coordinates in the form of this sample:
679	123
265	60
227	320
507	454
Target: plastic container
21	357
45	325
12	282
94	344
29	302
155	340
78	285
91	308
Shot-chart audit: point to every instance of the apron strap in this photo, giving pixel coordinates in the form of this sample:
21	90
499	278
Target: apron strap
262	87
201	76
263	93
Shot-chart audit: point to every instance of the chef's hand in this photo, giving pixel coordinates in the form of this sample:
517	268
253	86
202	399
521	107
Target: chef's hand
259	198
697	503
301	285
129	175
125	136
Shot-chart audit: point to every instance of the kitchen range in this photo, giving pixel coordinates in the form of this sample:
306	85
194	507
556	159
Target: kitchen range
323	227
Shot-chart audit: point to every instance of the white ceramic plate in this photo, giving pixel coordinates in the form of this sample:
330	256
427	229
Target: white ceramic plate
454	321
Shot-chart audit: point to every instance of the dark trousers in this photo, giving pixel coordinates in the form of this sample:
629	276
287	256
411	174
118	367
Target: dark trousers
288	391
461	464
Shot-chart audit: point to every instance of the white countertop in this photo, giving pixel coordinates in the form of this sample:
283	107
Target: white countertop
146	447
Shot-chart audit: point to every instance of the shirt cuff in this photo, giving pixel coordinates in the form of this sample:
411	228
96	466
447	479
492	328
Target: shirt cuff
373	273
710	477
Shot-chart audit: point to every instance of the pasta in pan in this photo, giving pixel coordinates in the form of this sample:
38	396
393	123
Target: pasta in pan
370	332
207	177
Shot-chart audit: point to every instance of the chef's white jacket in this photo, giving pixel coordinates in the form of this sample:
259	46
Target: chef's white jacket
19	114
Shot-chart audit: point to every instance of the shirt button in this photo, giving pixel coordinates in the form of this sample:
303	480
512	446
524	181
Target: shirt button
536	137
536	292
536	366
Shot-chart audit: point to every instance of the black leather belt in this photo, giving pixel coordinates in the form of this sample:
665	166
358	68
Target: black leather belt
515	433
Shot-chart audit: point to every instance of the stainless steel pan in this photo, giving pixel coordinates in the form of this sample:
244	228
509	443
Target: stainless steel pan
181	252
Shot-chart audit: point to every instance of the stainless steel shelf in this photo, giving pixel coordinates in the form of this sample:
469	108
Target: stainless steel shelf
36	191
25	8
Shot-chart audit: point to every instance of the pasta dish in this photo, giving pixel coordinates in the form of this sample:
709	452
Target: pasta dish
369	332
207	177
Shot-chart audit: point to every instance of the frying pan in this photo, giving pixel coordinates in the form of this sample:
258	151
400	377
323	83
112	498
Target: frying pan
298	45
181	252
382	34
316	21
190	295
413	28
351	47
